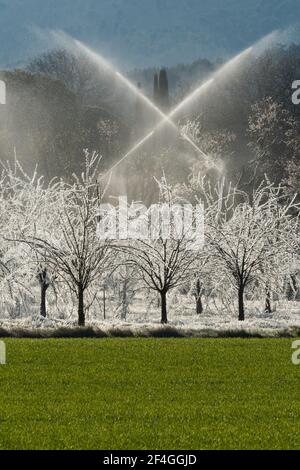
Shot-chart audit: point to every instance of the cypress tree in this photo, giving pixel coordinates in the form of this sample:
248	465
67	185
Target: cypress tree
163	88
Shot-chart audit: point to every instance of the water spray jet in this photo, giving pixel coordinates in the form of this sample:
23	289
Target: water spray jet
166	119
98	59
144	98
190	98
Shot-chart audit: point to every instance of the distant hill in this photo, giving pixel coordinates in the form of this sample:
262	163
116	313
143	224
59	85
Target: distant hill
143	33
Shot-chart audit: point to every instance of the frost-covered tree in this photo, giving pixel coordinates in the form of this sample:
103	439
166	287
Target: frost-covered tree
217	144
274	139
73	250
128	286
203	191
21	200
250	235
33	211
9	265
164	261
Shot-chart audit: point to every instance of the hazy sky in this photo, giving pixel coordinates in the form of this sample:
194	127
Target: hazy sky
143	32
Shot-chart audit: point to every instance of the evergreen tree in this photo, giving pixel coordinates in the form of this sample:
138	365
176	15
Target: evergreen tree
163	86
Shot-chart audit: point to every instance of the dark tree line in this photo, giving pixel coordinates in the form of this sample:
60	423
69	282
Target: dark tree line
47	125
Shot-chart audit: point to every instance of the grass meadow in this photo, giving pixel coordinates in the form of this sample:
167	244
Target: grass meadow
149	393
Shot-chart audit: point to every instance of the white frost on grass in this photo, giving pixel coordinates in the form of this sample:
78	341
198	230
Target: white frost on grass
286	317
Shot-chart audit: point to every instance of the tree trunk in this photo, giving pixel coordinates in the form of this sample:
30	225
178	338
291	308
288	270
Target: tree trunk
44	284
164	314
268	308
241	304
81	315
292	288
199	305
104	302
43	308
124	300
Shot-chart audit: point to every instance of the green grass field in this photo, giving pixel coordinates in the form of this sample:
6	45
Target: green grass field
149	394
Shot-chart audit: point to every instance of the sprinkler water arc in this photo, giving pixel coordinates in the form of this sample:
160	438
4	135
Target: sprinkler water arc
196	93
165	118
97	58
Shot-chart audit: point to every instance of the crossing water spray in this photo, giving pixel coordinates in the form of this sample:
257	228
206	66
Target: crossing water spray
166	119
103	63
187	101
